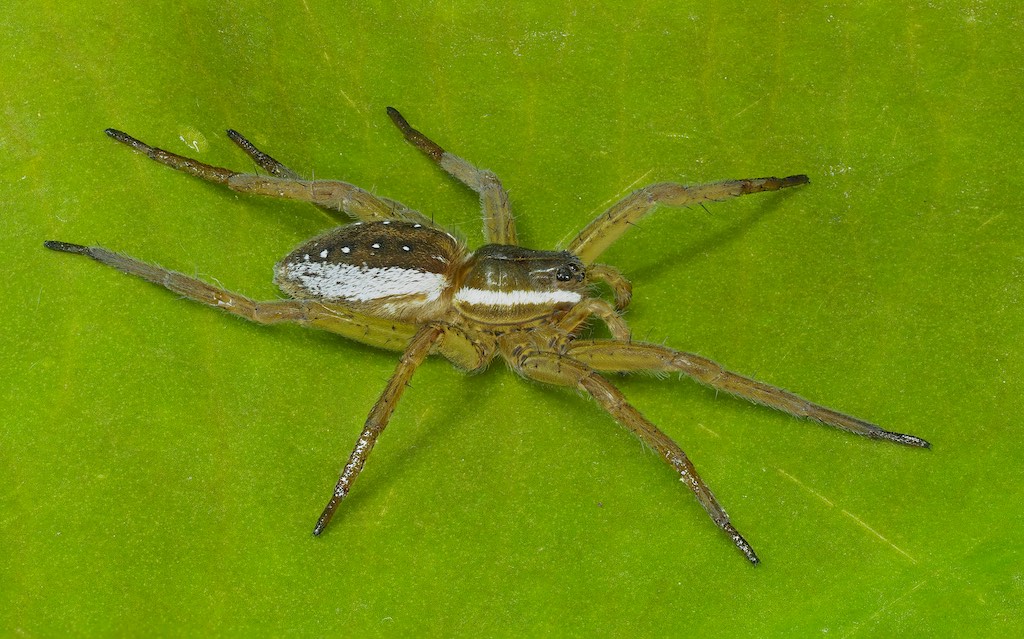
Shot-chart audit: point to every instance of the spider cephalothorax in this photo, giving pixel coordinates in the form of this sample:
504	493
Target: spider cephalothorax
395	280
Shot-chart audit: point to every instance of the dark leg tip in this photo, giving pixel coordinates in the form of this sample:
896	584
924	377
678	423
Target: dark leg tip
124	138
414	137
911	440
399	120
325	517
66	247
741	543
321	524
796	180
242	142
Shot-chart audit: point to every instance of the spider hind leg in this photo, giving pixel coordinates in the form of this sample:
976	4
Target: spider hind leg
414	354
269	164
622	357
373	331
333	196
499	227
552	368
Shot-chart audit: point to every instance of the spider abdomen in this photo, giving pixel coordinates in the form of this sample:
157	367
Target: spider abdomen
387	269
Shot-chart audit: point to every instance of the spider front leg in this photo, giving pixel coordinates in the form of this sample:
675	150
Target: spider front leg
417	350
610	225
617	356
560	370
499	227
331	195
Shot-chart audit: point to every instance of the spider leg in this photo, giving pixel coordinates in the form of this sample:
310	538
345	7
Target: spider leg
417	350
336	319
611	355
470	352
267	163
600	309
331	195
621	287
560	370
499	227
604	230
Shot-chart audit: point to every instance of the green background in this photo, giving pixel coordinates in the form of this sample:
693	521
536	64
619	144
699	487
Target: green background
162	463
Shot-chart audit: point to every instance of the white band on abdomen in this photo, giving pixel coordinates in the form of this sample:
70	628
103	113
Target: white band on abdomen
363	284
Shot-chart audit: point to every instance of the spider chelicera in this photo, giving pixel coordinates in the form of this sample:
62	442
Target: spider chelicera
396	280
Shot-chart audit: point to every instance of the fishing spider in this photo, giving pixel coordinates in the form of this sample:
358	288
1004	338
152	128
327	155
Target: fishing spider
395	280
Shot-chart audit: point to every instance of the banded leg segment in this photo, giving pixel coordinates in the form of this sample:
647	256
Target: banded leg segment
616	356
368	330
610	225
551	368
331	195
499	227
418	349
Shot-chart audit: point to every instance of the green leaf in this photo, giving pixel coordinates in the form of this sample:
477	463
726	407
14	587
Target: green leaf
164	463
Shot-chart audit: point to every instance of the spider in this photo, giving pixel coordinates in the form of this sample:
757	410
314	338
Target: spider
396	280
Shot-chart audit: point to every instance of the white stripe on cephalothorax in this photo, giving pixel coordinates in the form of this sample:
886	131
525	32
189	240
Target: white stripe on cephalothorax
483	297
363	284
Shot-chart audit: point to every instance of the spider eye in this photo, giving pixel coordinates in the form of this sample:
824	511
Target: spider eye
569	272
